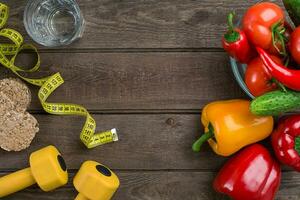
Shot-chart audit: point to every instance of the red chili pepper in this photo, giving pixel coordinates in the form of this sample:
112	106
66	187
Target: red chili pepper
251	175
286	76
236	43
286	141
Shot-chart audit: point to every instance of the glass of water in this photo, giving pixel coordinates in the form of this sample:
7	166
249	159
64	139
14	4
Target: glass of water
53	23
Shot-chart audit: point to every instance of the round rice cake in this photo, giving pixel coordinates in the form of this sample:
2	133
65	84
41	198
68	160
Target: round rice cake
17	91
18	130
17	127
6	104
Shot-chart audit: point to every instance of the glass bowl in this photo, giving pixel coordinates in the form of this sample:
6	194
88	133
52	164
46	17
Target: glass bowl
239	70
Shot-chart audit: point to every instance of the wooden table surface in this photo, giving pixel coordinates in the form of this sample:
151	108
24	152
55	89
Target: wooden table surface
146	68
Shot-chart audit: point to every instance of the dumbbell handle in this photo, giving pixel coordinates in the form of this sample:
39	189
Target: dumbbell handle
81	197
15	182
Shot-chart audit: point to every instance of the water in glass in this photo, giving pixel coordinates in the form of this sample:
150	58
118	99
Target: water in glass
53	22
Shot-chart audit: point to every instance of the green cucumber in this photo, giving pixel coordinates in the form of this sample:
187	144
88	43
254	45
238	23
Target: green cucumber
293	8
275	103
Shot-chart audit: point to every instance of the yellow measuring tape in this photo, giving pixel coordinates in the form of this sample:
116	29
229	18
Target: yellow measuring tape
48	85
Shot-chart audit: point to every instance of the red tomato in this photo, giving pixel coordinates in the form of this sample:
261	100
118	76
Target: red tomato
258	22
294	45
257	77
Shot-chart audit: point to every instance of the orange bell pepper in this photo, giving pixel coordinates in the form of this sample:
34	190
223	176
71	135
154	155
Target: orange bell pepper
230	126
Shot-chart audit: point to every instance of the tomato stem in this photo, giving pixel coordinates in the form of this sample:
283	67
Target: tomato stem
287	60
280	85
278	36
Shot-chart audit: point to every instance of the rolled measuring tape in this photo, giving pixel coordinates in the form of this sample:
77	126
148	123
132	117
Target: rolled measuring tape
48	85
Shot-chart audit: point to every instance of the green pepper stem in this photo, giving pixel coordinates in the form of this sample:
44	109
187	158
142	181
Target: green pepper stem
297	144
206	136
230	21
231	35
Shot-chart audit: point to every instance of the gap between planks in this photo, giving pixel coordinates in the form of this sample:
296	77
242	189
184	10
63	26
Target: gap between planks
131	50
72	171
133	111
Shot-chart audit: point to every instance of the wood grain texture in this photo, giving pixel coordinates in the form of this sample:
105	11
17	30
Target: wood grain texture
138	81
162	186
151	142
147	24
146	68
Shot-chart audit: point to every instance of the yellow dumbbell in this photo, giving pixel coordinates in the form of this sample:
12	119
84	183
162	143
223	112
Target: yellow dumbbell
47	169
95	182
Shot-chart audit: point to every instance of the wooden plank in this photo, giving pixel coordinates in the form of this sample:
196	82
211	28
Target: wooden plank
147	142
147	24
152	142
138	81
163	186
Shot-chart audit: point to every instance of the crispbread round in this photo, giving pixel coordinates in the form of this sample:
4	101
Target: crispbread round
19	131
17	91
6	104
17	127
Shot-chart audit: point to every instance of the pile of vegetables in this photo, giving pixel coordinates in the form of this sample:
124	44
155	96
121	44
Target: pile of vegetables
270	47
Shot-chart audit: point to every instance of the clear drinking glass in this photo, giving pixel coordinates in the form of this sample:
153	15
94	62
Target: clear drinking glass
53	22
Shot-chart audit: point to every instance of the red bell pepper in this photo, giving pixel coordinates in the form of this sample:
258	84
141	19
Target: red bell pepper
286	141
286	76
236	43
251	175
